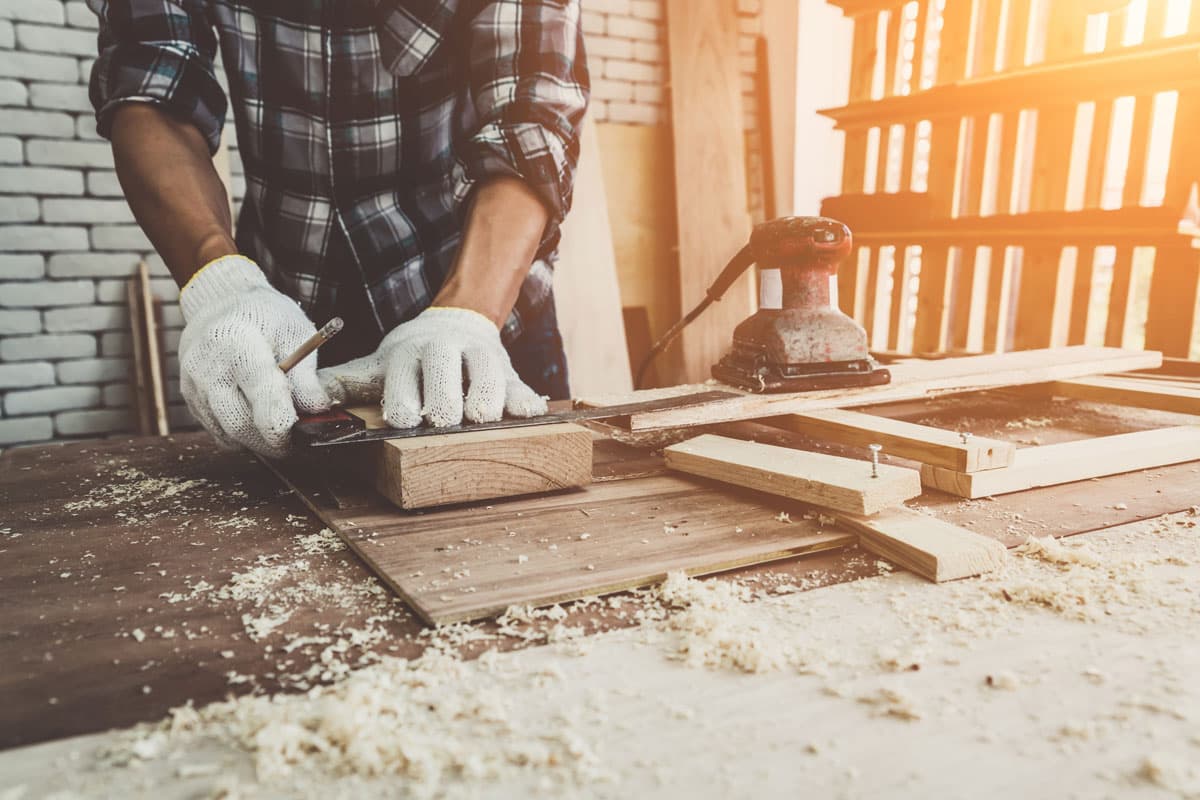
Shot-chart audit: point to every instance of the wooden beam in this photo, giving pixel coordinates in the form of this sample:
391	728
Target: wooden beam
910	381
832	482
933	549
904	439
1053	464
710	171
1121	391
437	470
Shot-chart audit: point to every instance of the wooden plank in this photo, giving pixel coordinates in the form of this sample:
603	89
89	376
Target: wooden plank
1052	464
608	537
440	469
910	381
710	171
1119	295
586	295
149	321
1043	299
832	482
898	303
929	445
1132	392
1174	288
1139	137
140	368
933	549
781	27
639	184
1081	296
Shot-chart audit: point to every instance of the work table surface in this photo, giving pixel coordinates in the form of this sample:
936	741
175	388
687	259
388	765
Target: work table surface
136	573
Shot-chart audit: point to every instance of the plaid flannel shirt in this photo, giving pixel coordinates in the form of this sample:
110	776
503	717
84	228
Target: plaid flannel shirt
363	126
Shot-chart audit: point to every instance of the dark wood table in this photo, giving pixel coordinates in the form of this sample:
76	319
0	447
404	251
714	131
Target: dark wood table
117	558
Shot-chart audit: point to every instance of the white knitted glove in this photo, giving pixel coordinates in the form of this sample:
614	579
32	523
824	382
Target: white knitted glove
238	328
430	352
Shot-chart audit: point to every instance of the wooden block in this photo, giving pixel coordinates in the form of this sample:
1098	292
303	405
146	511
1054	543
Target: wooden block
1181	399
905	439
1053	464
928	546
841	484
437	470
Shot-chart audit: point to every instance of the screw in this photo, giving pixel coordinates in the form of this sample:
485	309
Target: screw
875	450
965	437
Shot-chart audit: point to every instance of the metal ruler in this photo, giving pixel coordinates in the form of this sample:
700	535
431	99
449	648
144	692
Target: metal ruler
339	427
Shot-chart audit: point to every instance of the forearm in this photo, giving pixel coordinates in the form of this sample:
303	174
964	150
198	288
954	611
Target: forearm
171	185
501	238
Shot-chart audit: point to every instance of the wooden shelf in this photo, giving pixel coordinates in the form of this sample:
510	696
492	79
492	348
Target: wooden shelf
1145	69
881	219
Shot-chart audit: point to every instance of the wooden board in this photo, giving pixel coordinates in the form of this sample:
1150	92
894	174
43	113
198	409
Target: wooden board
832	482
929	445
639	181
1067	462
933	549
912	380
1183	398
465	562
587	298
437	470
710	170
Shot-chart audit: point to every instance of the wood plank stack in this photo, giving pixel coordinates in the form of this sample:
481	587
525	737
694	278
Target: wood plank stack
1039	209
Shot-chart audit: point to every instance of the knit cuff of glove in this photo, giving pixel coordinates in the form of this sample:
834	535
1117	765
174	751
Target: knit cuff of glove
227	276
466	316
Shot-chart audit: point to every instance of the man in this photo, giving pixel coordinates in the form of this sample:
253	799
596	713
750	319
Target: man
408	163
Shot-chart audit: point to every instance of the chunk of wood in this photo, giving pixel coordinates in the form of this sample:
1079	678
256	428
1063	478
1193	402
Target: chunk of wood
922	443
928	546
1181	398
913	380
840	484
1053	464
440	469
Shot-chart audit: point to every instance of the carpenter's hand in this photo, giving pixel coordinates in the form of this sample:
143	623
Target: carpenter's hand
238	330
429	353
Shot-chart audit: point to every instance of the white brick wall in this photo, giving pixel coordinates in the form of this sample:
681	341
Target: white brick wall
68	240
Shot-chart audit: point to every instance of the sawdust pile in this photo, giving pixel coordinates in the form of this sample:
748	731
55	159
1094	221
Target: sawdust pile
1177	776
432	721
1079	583
133	491
716	625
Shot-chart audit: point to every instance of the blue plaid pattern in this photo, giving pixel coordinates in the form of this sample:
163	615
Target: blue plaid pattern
363	126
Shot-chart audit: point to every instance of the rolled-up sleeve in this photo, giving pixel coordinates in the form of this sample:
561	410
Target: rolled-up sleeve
529	88
160	52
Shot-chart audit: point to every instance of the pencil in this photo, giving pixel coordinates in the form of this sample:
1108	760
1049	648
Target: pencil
327	332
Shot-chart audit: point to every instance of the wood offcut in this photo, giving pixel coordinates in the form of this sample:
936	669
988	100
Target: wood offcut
1053	464
435	470
832	482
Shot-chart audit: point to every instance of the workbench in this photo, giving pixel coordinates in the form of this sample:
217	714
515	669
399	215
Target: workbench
83	565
